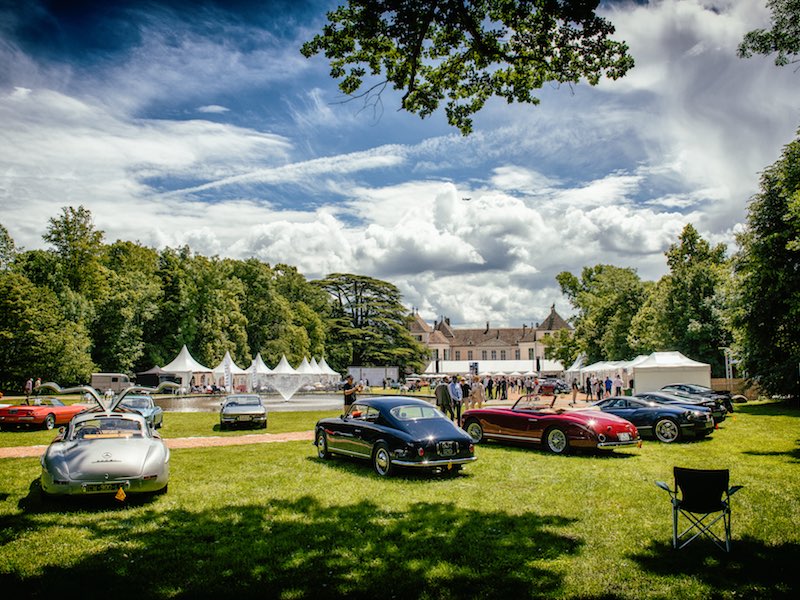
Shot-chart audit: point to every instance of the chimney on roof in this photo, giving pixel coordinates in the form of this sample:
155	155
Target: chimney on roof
498	334
447	320
485	331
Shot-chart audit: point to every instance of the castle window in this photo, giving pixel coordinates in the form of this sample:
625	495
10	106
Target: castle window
502	354
516	354
494	354
483	354
469	354
458	354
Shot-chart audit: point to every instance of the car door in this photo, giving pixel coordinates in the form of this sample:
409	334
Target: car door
347	433
366	431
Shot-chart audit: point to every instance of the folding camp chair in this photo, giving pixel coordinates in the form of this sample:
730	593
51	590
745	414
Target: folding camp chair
702	494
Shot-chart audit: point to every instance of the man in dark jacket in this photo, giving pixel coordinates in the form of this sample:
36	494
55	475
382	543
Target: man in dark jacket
443	400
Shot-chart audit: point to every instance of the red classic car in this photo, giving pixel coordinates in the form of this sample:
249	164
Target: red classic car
46	412
556	430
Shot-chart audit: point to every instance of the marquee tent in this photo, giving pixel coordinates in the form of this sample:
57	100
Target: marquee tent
662	368
186	367
230	375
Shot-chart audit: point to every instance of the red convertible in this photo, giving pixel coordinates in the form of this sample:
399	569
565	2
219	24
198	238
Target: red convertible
556	430
46	412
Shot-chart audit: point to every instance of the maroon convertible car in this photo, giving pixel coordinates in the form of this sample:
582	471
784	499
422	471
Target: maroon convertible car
556	430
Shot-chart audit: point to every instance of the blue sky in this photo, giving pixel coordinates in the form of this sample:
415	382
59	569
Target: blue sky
199	122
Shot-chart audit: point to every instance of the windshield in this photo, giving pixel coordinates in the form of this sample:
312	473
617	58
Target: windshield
106	428
416	411
243	401
138	402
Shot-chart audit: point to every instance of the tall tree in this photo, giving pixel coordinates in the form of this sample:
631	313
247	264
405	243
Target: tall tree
79	246
369	318
606	298
35	338
562	346
765	307
783	37
127	309
466	51
8	249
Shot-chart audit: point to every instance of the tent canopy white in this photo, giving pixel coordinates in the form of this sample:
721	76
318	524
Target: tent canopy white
662	368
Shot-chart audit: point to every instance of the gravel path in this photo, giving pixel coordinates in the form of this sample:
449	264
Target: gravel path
190	442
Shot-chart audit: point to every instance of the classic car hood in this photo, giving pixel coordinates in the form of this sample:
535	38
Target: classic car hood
438	428
106	459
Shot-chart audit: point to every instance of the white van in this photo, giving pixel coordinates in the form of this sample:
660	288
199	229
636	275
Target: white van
116	382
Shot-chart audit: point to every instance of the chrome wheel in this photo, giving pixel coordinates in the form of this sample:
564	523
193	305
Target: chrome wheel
322	445
381	461
667	431
50	421
557	441
475	431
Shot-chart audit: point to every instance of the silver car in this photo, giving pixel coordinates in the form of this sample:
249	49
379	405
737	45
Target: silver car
145	406
105	451
243	409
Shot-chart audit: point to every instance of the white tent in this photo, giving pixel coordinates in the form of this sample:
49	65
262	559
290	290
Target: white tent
662	368
259	374
230	375
500	367
186	367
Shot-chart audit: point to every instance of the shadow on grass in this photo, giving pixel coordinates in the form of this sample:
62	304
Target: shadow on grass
794	455
769	409
356	466
751	570
301	549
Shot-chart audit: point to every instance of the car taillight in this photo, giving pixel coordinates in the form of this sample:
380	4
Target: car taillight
421	451
472	448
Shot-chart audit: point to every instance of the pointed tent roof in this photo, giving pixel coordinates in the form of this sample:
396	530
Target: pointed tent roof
235	369
156	370
305	367
283	367
184	363
325	368
315	366
258	366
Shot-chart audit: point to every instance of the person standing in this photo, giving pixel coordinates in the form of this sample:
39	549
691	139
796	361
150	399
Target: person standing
574	391
608	384
443	400
350	392
477	393
28	389
455	397
618	385
465	392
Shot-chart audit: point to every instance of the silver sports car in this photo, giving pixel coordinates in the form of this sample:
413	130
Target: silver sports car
243	409
106	450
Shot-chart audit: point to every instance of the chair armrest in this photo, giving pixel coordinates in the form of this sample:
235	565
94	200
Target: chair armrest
733	489
664	486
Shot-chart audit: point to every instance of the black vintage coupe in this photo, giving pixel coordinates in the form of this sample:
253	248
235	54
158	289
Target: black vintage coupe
664	422
718	411
395	431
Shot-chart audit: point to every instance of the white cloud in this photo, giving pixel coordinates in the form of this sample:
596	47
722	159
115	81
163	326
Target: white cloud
213	109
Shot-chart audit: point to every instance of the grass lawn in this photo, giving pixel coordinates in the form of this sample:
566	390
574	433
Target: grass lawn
273	521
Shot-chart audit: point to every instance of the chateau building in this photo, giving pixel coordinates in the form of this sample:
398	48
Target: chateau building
447	343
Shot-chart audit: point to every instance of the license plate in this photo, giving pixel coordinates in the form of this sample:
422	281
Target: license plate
244	417
624	437
102	487
447	448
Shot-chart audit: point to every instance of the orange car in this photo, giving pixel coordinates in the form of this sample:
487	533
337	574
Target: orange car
46	412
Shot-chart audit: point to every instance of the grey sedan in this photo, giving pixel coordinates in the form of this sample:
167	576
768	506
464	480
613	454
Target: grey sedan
243	409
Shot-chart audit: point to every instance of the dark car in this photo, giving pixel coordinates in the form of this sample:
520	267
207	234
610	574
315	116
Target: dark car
694	390
666	423
395	431
717	410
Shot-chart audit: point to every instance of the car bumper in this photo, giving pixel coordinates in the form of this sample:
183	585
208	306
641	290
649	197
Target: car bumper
427	464
243	419
131	485
617	443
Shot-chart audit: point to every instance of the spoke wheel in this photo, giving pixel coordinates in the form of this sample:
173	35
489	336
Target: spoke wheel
322	445
556	441
474	430
667	431
50	421
381	460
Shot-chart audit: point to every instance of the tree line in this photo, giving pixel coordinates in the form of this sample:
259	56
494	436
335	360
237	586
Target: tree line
748	302
82	306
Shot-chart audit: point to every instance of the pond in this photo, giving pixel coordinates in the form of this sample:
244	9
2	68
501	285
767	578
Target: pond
273	402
